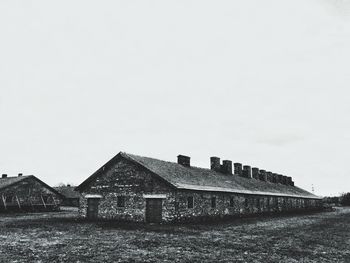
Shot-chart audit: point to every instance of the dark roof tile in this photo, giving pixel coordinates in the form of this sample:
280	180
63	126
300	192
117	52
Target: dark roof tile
194	178
5	182
68	191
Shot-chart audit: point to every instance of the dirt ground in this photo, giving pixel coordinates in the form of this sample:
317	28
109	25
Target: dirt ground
62	237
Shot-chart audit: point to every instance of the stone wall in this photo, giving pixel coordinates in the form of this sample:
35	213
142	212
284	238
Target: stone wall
236	205
28	195
133	181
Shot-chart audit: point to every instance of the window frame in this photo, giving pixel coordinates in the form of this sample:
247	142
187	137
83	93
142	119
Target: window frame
176	206
232	201
190	202
246	202
213	202
258	203
121	201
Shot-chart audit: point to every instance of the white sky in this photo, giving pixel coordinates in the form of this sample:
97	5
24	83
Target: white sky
265	83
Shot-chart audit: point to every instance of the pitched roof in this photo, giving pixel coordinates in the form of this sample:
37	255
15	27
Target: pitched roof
9	181
201	179
5	182
68	191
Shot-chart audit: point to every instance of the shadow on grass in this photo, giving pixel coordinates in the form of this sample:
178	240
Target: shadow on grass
173	227
201	224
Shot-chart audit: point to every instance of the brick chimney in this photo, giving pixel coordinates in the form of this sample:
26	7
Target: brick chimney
262	175
279	178
274	178
238	169
226	167
289	180
255	173
4	176
284	180
247	171
215	164
269	176
184	160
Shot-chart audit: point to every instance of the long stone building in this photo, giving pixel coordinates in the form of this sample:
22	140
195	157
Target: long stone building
27	194
134	188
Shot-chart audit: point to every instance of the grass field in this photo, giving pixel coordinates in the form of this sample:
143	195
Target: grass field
61	237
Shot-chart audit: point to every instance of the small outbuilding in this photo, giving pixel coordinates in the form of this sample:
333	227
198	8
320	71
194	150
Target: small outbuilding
135	188
27	194
70	196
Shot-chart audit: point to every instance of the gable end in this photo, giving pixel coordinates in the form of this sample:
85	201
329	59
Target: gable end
107	166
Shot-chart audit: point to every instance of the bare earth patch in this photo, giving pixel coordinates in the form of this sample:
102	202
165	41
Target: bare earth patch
62	237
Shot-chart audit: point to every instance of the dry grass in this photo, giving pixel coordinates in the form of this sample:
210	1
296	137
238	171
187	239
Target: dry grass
61	237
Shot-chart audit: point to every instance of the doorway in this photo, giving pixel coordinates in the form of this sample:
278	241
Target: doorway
92	208
153	210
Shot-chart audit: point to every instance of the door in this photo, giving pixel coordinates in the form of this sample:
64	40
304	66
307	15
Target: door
153	210
92	208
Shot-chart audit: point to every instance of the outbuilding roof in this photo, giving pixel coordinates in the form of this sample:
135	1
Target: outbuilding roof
202	179
10	181
68	191
7	181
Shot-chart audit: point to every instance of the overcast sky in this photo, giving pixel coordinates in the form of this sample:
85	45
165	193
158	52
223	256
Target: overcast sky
264	83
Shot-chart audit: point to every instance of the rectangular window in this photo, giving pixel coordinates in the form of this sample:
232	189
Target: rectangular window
213	202
190	202
176	206
246	202
232	202
121	201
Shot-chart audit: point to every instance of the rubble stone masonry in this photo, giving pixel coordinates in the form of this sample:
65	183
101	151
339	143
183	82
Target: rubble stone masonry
133	182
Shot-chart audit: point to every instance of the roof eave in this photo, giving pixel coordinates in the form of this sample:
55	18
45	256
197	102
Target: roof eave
247	192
